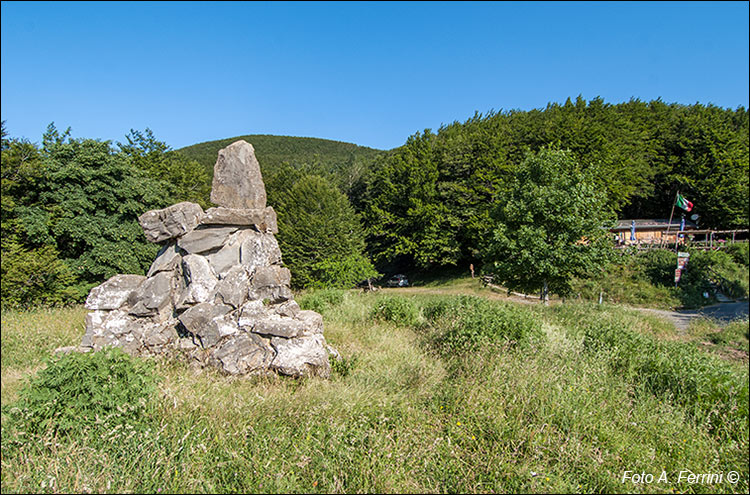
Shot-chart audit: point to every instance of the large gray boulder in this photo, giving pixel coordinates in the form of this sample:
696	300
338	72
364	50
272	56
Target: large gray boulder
170	222
209	322
303	356
259	250
263	220
244	354
200	280
205	239
237	181
232	289
113	293
154	297
167	259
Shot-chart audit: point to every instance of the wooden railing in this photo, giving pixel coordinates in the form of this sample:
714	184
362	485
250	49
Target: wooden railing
712	240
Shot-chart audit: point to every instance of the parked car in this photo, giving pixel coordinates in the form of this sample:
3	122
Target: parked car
398	281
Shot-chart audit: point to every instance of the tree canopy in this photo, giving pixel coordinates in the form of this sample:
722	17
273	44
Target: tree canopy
320	234
70	214
549	227
69	206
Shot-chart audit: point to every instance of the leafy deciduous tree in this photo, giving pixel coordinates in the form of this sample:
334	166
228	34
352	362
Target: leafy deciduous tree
320	235
549	227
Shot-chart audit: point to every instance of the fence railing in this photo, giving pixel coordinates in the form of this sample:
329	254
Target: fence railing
711	240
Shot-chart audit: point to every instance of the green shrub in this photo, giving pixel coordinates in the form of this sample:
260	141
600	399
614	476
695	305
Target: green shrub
34	276
740	253
647	279
84	392
658	266
466	323
707	269
342	366
342	272
399	310
320	300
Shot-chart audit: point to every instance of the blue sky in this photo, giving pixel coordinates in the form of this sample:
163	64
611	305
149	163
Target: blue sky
361	72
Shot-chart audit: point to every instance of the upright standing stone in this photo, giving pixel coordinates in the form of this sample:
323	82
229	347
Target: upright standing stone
237	181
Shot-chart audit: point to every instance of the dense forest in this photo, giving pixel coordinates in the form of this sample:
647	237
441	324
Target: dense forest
428	202
70	206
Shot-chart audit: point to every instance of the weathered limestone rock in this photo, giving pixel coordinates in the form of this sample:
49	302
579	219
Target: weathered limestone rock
166	260
303	356
312	321
229	254
259	250
272	283
207	321
244	354
114	292
237	181
217	293
205	239
138	336
264	220
271	276
153	297
250	312
232	289
170	222
279	326
201	280
290	309
305	323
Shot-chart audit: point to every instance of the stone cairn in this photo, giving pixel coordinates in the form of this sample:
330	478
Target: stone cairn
217	292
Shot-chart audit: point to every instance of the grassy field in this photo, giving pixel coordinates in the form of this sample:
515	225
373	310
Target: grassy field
436	392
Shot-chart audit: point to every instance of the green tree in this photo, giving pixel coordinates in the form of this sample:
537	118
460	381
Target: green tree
31	273
186	179
549	227
70	214
405	215
321	235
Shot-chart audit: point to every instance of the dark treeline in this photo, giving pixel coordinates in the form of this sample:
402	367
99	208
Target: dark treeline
427	202
70	206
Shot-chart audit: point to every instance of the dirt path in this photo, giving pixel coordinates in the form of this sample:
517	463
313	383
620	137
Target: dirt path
724	312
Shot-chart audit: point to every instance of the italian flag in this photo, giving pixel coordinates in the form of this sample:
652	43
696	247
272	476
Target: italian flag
684	203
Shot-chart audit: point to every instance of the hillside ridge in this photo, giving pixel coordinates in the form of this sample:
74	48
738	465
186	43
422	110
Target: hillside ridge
274	150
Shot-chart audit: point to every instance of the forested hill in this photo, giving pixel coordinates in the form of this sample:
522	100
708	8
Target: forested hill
276	150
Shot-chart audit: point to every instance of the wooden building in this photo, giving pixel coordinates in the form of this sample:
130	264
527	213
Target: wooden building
654	231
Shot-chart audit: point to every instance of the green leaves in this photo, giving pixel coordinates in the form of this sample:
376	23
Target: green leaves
549	227
184	179
74	205
82	393
320	235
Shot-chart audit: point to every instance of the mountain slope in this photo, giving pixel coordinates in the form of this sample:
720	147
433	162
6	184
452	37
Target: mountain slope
275	150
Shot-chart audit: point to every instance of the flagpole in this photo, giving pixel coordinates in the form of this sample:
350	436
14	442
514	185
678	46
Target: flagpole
671	215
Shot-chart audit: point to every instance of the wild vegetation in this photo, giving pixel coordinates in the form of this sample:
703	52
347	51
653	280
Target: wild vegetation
647	279
433	393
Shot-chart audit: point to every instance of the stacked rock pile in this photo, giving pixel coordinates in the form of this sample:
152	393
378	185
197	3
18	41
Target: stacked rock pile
217	291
